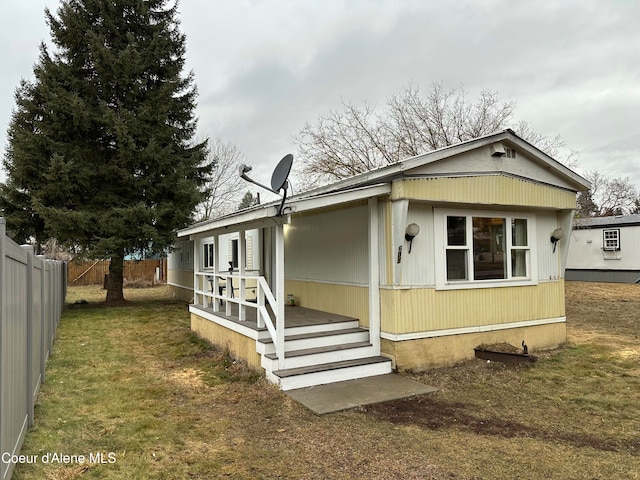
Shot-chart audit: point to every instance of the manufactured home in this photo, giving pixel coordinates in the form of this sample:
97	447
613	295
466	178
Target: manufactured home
605	249
409	266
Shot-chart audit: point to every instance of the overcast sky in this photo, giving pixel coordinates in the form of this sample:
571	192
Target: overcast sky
264	67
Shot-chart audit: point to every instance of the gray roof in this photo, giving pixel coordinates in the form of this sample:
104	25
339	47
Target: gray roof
614	221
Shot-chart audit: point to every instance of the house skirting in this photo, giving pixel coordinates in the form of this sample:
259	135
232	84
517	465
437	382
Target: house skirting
449	348
611	276
238	345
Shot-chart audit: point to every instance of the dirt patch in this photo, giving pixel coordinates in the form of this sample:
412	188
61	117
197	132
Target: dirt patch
430	413
188	377
499	347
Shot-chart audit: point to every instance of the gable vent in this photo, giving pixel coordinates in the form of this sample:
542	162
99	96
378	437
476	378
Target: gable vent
497	150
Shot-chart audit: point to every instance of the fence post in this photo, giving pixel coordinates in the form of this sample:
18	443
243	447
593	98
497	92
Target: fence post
44	352
29	342
3	466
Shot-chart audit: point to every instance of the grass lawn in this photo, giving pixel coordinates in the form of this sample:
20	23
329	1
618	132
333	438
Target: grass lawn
133	383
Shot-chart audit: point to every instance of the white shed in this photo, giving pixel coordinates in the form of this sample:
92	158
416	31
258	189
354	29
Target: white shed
605	249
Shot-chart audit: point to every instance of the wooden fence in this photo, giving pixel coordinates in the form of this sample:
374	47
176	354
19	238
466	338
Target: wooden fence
32	292
150	272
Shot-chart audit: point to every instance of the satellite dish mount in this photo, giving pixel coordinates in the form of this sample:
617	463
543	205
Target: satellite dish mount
279	179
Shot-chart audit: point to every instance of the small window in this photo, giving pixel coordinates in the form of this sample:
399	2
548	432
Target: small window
510	153
234	262
611	240
208	256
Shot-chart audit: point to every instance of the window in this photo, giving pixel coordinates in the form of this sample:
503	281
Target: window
510	153
234	262
611	239
208	259
485	248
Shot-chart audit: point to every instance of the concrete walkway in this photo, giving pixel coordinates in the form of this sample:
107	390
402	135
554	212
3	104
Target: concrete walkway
339	396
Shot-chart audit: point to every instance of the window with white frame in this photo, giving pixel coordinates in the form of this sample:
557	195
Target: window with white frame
484	248
208	256
611	239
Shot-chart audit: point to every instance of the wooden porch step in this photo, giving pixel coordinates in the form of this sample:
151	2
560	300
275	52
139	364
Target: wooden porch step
325	349
305	336
319	355
265	346
331	372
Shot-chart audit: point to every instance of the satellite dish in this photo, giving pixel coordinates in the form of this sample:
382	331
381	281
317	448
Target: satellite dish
281	173
278	178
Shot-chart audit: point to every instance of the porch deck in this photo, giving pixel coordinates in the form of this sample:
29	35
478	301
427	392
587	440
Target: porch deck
294	316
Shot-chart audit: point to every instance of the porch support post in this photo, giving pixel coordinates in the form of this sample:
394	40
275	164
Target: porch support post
216	269
374	275
196	269
279	294
242	260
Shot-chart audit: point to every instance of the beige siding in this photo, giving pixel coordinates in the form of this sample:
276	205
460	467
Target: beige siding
425	309
349	300
418	267
329	247
487	189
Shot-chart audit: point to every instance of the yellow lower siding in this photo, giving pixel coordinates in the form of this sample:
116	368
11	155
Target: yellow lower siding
427	309
236	344
484	190
441	351
348	300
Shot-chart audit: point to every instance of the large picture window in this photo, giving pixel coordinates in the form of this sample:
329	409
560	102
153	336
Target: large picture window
486	248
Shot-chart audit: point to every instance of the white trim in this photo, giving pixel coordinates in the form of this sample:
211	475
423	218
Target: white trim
466	330
180	286
223	322
327	282
337	198
188	270
265	216
374	276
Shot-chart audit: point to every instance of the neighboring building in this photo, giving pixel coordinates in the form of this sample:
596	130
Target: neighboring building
605	249
480	267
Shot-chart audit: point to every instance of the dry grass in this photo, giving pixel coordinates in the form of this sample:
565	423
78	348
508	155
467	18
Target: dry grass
133	380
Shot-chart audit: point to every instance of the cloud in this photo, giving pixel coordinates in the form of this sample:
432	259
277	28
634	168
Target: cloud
265	67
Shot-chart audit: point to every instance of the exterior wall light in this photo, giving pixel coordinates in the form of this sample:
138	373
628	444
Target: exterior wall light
556	236
412	231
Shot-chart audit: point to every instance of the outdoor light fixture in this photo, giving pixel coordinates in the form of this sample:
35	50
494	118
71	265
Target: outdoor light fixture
412	231
556	236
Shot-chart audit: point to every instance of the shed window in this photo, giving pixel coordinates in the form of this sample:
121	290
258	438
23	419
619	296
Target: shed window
611	239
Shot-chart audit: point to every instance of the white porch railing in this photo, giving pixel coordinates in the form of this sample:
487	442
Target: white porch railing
208	294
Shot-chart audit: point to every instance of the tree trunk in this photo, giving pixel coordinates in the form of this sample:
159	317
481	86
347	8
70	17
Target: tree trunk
114	285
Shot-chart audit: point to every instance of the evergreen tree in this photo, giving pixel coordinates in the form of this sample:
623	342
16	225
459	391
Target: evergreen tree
101	152
249	201
586	205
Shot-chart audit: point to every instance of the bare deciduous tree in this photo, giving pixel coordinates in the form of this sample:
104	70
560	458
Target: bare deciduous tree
356	139
608	196
225	187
